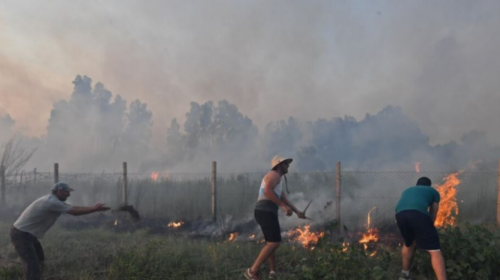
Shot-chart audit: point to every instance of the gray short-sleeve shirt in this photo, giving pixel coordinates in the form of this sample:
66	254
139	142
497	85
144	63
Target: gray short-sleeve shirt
41	215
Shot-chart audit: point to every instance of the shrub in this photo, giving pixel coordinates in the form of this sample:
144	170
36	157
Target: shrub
471	252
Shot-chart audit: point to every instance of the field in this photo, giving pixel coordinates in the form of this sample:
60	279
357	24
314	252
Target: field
471	252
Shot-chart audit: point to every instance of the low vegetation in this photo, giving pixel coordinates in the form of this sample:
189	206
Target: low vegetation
471	252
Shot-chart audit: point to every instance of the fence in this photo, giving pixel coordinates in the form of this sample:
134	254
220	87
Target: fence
347	196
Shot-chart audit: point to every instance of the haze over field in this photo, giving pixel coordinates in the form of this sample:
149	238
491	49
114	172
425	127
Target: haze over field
248	79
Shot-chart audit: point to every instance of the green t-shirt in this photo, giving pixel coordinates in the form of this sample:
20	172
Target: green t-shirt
418	198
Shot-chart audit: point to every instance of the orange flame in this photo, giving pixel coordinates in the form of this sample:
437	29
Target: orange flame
417	166
305	236
175	224
154	176
233	236
448	208
369	219
371	234
345	247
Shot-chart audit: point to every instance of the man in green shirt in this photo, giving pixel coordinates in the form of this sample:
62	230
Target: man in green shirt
416	212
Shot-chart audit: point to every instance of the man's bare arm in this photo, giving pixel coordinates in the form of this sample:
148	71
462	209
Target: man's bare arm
289	203
79	210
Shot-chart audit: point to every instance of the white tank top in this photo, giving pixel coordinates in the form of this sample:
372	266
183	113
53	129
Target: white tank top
277	190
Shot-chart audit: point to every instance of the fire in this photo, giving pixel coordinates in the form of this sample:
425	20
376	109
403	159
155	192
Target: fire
305	236
371	234
369	219
155	175
233	236
175	224
448	208
345	247
417	166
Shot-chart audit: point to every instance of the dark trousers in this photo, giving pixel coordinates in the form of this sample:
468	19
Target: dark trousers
30	251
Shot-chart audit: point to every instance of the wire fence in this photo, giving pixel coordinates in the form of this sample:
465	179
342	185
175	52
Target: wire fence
188	196
476	195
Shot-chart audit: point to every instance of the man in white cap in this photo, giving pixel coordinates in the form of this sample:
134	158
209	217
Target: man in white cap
271	198
36	220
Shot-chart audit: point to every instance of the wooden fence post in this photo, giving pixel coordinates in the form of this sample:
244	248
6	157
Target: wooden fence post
337	197
56	173
124	184
214	191
498	195
2	185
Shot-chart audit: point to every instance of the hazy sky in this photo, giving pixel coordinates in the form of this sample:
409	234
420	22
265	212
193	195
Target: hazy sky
438	60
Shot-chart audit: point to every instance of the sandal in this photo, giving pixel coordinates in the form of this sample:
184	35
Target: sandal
250	275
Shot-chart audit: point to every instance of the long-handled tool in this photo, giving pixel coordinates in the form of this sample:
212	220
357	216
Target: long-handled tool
131	210
307	206
304	212
124	206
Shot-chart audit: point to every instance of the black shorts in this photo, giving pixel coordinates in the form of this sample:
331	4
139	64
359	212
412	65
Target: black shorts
269	224
415	225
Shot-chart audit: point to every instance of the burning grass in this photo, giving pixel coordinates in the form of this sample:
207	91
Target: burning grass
448	208
304	236
103	254
175	224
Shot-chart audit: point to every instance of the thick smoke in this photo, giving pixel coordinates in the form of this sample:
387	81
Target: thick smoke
272	59
388	140
312	61
377	85
6	127
94	131
212	132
